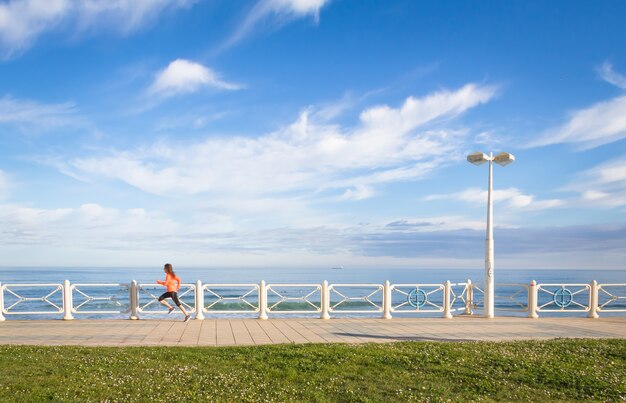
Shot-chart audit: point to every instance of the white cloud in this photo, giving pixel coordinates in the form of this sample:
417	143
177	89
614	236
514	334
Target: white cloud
32	114
359	192
491	140
599	124
184	76
513	198
92	235
123	15
252	197
332	110
594	195
22	21
277	13
603	185
89	225
611	76
415	112
297	7
602	123
386	146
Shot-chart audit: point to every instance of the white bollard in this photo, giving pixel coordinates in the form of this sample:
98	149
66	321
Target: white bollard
532	300
446	300
593	300
199	301
387	300
134	300
2	318
325	300
67	301
263	301
469	298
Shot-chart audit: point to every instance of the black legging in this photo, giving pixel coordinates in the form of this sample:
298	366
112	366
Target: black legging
170	294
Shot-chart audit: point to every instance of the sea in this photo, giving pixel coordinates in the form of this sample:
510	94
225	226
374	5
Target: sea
31	293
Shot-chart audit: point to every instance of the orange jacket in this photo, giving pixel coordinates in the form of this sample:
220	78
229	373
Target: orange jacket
172	282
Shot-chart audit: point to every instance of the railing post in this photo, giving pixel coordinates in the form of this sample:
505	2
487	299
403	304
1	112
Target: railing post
134	300
325	300
532	300
387	300
469	297
263	301
593	300
67	301
199	301
446	300
2	318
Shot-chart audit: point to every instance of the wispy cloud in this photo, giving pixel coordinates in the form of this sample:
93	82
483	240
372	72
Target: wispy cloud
275	13
124	16
493	139
602	123
89	225
31	115
611	76
386	146
184	76
417	111
22	21
512	197
599	124
603	185
359	192
260	196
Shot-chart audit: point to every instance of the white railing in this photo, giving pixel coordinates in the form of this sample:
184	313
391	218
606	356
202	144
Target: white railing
85	296
609	298
461	295
20	297
563	297
477	300
263	299
280	298
514	301
231	298
425	298
355	298
145	291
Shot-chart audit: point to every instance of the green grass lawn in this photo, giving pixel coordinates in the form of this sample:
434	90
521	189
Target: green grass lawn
569	370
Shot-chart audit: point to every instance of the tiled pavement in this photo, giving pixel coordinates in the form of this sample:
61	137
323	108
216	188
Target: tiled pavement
230	332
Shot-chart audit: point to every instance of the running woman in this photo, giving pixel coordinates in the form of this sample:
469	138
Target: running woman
172	282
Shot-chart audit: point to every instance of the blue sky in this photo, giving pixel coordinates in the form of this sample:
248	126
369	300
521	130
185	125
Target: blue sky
230	133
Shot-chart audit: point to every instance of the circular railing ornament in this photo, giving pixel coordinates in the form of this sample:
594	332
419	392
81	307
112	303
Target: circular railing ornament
563	297
417	298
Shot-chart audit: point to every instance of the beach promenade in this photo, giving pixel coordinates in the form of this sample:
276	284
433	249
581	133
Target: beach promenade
242	332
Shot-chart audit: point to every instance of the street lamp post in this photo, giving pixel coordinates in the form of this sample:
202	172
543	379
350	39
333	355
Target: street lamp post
503	159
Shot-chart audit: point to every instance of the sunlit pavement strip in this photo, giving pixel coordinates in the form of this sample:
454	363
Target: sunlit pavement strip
245	332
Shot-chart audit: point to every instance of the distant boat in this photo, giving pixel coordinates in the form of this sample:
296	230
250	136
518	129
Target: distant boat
338	268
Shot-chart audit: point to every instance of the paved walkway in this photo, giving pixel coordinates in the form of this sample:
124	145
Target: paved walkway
230	332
